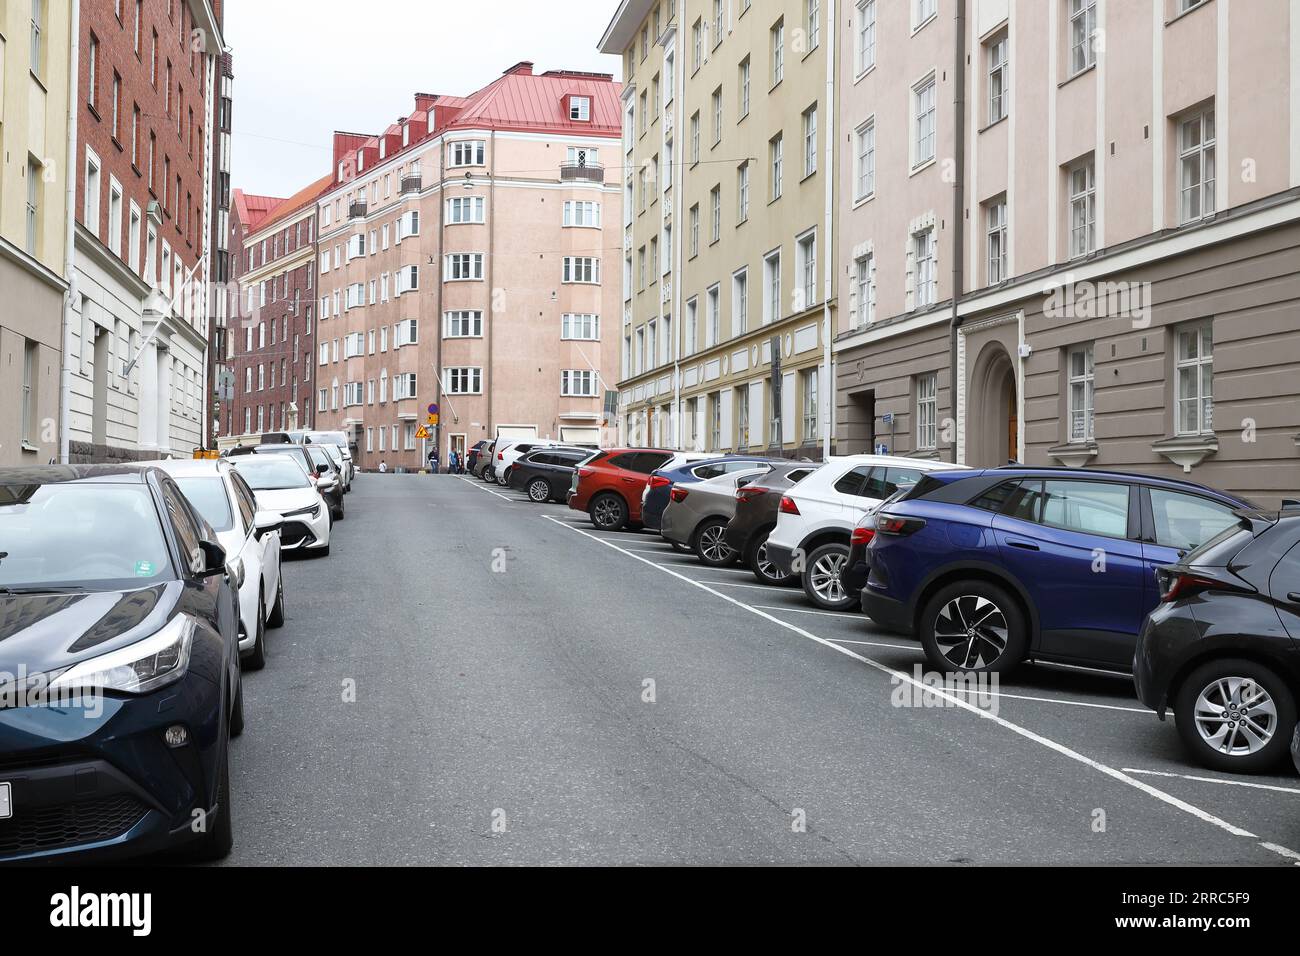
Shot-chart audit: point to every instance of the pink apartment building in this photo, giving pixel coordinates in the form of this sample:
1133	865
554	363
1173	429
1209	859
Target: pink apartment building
463	259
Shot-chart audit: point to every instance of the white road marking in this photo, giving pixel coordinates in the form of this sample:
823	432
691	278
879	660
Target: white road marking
1282	851
1055	700
1230	783
733	584
901	647
1167	798
482	486
807	610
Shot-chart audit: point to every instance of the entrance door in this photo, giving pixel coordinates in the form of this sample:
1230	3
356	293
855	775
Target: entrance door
1013	420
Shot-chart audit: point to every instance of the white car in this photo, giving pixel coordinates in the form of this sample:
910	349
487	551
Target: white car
252	542
282	485
510	451
816	517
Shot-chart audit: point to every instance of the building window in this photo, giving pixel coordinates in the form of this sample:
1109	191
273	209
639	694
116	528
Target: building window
717	115
462	209
743	84
996	238
697	45
925	254
715	420
584	269
923	112
695	137
695	229
739	302
742	192
690	331
580	325
805	248
864	289
466	153
580	109
772	287
38	42
715	205
865	161
811	406
712	317
775	152
777	46
865	51
1194	375
927	412
91	213
31	366
578	383
33	206
813	10
581	214
810	140
461	266
925	9
1083	29
463	324
1080	393
997	59
1082	209
1196	166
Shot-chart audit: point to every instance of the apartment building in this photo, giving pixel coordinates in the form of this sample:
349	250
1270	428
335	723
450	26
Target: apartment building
272	324
1114	198
463	263
137	332
728	238
35	53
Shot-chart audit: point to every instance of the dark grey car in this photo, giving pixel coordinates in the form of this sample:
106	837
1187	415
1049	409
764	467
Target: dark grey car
755	517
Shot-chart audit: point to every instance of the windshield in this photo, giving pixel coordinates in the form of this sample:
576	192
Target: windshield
208	496
67	535
265	473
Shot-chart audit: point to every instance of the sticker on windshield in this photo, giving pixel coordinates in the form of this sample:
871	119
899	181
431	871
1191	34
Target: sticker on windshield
144	569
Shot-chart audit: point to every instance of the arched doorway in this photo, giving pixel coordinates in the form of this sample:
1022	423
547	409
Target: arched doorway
993	409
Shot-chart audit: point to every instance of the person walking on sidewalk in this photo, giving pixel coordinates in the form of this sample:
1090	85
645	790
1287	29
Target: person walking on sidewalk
433	460
383	466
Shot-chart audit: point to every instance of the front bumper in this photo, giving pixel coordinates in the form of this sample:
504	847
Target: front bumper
306	532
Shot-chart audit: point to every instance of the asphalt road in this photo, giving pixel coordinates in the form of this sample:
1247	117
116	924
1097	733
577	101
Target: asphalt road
470	678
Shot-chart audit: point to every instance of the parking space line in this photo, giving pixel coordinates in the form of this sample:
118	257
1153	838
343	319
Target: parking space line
1054	700
482	486
806	610
1167	798
733	584
901	647
1230	783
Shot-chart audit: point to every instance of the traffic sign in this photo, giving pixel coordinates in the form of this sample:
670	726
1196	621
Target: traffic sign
422	434
433	408
432	419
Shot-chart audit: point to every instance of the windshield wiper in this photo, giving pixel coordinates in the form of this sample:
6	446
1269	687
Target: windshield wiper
41	589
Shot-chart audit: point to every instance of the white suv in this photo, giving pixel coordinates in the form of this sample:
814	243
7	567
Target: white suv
816	517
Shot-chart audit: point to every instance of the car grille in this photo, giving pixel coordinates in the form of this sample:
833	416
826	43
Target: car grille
71	824
294	532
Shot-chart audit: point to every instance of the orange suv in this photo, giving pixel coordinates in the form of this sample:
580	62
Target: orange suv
608	485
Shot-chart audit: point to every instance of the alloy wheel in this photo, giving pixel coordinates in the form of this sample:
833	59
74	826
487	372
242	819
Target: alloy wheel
712	543
824	576
1236	716
971	631
538	490
765	567
607	512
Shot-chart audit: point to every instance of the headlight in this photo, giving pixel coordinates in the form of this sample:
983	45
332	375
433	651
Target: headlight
313	510
138	668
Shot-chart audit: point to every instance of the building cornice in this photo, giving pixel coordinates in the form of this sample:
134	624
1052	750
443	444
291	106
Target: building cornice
29	263
299	257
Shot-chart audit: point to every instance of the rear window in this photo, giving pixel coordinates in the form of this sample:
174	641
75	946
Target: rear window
1186	521
851	483
995	499
271	474
209	498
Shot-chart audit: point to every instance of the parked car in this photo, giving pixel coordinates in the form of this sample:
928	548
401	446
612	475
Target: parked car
509	452
336	438
472	456
608	486
1223	645
546	473
341	464
251	539
698	513
755	517
856	568
686	468
115	592
280	485
990	567
330	480
815	520
483	466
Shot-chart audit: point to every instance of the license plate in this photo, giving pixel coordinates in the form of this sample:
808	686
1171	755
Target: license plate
6	803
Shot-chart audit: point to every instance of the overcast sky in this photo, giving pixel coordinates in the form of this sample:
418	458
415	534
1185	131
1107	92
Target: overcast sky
304	68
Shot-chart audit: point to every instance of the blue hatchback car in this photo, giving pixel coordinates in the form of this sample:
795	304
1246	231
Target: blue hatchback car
662	480
991	567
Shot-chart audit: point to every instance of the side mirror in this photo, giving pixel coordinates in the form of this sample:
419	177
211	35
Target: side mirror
266	522
214	559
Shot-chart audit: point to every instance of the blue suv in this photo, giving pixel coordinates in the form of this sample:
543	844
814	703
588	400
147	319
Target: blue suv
991	567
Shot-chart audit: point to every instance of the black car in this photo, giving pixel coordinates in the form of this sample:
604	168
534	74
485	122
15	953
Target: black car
471	456
1223	646
120	661
318	465
755	518
545	474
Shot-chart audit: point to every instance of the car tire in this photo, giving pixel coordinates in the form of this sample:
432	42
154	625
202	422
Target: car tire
764	571
709	544
679	548
255	660
277	609
821	578
1273	705
608	512
965	610
237	711
218	841
539	491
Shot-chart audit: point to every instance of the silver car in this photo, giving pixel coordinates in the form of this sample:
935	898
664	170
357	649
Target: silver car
697	515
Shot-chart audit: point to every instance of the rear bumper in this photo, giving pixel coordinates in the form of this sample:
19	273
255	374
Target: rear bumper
782	558
891	614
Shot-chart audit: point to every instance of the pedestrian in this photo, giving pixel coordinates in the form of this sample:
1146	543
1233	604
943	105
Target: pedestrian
453	462
383	466
433	460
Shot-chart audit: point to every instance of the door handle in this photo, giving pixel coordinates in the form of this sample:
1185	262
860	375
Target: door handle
1294	597
1023	545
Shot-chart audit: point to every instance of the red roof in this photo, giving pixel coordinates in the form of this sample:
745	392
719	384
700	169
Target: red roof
520	100
251	209
295	203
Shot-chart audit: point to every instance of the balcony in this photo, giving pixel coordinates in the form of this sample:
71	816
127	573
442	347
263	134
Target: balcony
357	210
582	172
411	184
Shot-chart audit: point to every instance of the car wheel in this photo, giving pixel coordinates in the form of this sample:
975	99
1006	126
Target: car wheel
1235	715
609	512
277	609
709	544
539	491
975	627
237	712
216	843
821	578
764	570
340	514
503	479
256	658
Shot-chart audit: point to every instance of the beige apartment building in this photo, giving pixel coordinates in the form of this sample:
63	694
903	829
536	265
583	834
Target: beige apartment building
35	49
727	243
1070	234
464	259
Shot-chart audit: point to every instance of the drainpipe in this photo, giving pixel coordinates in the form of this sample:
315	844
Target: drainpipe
69	257
958	205
828	253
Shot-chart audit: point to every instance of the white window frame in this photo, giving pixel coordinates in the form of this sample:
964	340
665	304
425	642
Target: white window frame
1196	166
1082	186
927	411
925	116
1195	367
1080	393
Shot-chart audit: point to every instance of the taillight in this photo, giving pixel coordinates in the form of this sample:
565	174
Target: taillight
678	494
893	524
787	506
749	492
862	535
659	481
584	472
1185	585
500	457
